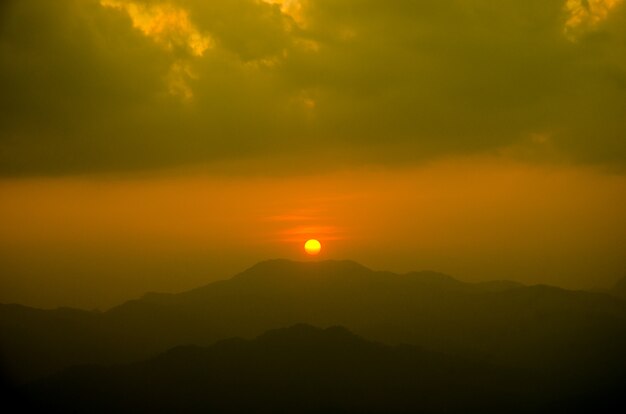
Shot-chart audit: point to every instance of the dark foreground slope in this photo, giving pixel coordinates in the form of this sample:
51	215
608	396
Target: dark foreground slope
559	333
304	369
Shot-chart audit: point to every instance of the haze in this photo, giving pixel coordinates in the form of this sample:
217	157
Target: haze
161	145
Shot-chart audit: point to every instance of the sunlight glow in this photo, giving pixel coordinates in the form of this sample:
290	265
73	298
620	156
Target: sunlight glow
167	25
291	8
586	14
312	247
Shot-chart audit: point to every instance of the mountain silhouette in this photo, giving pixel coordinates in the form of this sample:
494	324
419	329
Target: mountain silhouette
573	337
303	369
619	289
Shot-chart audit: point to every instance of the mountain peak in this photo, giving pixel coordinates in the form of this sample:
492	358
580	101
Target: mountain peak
277	267
286	264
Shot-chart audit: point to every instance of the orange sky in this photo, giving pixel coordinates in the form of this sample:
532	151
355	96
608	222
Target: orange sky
157	145
98	240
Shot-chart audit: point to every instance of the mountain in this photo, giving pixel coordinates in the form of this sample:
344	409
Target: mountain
303	369
619	290
535	328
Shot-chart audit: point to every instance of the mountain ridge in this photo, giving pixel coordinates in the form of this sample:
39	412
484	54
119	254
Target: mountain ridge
619	289
510	324
326	268
303	368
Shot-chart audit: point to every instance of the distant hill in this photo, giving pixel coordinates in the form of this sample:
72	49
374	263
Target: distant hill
535	328
619	290
304	369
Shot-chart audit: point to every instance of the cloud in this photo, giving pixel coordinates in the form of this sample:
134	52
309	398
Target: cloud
170	27
114	85
164	23
292	8
584	14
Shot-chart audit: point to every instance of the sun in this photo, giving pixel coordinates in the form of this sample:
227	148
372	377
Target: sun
312	247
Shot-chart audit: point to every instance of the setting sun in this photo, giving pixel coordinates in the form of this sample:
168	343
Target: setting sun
312	247
170	168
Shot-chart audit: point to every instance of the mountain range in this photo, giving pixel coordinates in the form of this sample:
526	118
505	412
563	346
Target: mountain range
573	340
302	369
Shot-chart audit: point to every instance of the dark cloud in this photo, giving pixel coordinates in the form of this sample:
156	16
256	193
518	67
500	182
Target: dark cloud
107	85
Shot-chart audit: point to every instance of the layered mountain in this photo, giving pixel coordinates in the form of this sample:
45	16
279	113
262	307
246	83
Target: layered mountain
534	328
619	289
305	369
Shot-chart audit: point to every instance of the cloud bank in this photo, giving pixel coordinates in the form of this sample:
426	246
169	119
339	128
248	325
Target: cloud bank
117	85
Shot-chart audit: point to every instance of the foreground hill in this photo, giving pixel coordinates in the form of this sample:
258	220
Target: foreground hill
536	328
305	369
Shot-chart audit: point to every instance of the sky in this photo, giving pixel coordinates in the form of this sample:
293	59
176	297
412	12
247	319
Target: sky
153	145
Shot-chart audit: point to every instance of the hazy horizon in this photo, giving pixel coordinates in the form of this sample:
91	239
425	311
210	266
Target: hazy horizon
94	241
86	300
158	145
